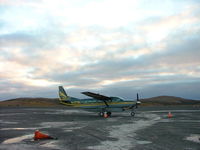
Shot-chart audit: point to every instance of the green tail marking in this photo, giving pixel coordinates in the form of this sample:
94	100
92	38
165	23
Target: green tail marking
62	94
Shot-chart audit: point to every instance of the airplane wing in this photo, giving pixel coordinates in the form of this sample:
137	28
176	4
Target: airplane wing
98	96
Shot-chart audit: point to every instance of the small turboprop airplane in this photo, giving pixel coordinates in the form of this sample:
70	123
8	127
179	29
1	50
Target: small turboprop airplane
98	103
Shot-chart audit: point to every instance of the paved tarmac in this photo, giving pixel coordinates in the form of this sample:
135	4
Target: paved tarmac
75	129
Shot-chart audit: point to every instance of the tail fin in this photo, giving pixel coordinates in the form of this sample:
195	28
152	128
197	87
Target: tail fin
62	95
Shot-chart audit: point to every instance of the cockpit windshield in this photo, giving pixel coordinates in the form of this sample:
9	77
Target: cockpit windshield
116	99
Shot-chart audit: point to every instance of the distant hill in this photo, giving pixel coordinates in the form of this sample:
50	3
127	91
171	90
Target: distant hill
31	102
54	102
168	100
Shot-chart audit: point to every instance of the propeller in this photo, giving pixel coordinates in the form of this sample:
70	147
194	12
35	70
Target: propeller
137	102
135	105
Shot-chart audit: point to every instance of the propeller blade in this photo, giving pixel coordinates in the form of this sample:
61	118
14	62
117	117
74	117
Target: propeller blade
136	106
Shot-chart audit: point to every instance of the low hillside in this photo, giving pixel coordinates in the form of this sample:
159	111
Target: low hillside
31	102
47	102
168	100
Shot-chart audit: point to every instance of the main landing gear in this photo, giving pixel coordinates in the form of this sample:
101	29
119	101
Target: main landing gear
105	114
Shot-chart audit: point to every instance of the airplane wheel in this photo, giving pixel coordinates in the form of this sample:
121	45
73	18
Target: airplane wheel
105	115
109	114
133	114
101	114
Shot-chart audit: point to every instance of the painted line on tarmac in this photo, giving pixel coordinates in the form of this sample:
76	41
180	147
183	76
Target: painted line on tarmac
193	138
18	139
126	133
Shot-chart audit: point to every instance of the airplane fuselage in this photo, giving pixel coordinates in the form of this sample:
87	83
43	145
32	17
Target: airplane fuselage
102	104
97	104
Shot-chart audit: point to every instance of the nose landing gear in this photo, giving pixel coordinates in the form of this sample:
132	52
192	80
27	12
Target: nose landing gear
133	112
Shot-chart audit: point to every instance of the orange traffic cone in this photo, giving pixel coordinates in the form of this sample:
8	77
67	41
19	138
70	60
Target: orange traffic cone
39	135
169	115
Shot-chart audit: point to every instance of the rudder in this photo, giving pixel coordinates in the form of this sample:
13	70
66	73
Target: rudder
62	94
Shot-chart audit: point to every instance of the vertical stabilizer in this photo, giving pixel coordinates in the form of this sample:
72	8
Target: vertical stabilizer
62	94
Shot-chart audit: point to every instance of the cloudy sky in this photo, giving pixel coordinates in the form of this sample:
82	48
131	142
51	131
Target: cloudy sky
113	47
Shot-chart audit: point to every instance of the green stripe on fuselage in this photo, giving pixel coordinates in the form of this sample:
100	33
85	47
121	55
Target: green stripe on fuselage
99	104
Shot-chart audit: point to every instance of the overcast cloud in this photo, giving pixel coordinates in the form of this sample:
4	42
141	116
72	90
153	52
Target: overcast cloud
115	48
